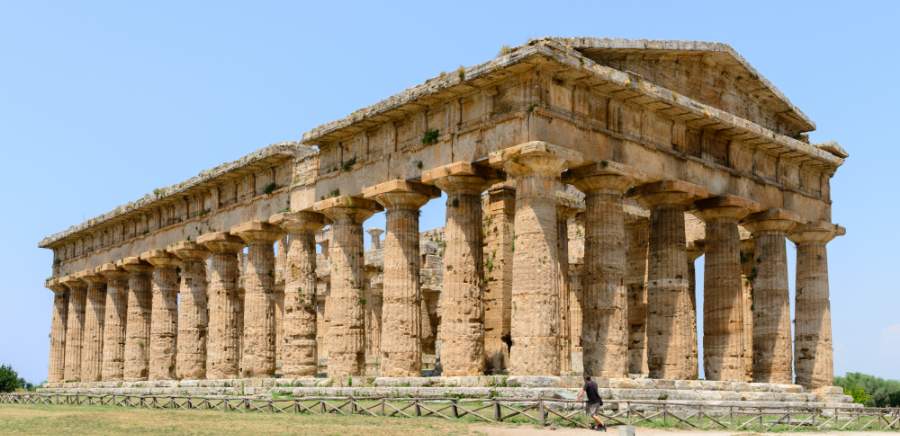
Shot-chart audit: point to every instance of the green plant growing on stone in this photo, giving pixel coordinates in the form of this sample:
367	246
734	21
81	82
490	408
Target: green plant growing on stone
431	136
461	73
504	50
270	188
348	164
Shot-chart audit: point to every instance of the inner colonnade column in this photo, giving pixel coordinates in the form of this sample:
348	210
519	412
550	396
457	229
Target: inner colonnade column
637	231
57	367
498	216
74	327
344	305
92	339
137	325
401	319
193	317
163	313
115	319
694	251
566	208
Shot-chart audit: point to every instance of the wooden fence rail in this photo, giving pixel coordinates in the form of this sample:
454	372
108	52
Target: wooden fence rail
538	411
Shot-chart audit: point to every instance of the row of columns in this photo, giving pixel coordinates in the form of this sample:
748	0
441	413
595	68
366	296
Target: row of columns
154	334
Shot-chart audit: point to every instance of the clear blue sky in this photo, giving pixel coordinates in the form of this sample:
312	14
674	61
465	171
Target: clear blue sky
101	103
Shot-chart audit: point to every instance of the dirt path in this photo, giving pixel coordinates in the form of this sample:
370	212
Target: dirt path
535	431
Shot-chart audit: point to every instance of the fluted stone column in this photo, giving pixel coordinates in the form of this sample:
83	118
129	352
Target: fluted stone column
669	321
258	356
115	321
462	329
694	251
74	327
193	314
92	340
813	358
723	301
604	333
637	233
344	305
299	351
536	167
747	268
566	208
223	342
401	320
137	327
772	348
163	314
498	215
56	372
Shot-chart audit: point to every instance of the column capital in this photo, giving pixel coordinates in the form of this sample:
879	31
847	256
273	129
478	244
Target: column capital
668	192
221	242
819	231
302	221
73	282
134	265
112	271
188	250
771	220
55	285
375	234
604	176
568	205
401	194
160	259
91	277
357	209
695	249
256	231
535	157
461	177
725	207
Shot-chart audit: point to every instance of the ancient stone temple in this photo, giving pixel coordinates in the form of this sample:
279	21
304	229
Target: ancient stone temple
582	179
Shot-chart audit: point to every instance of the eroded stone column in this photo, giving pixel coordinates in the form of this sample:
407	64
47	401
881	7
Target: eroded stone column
92	340
536	167
462	335
723	297
137	328
772	348
813	358
694	251
193	311
223	336
604	333
258	356
566	208
499	213
56	372
637	231
401	320
344	305
299	351
115	320
163	314
668	302
74	327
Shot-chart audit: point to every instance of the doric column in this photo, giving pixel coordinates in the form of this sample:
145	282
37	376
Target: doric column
401	347
748	268
137	328
604	332
258	356
669	321
92	340
74	327
299	351
223	344
193	311
694	251
536	167
813	358
461	301
567	206
723	293
499	212
116	319
163	314
344	305
56	372
375	238
637	234
772	356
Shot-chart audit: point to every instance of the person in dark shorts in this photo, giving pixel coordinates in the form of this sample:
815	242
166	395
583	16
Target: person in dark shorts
593	403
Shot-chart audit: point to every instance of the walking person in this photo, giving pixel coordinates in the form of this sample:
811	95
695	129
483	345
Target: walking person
593	403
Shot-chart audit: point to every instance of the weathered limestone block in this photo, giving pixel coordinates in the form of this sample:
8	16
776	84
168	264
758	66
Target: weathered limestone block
258	356
223	344
92	340
163	314
772	347
637	231
114	324
401	347
814	358
723	302
669	316
605	323
499	207
193	313
536	167
462	349
74	327
299	351
56	372
137	326
344	305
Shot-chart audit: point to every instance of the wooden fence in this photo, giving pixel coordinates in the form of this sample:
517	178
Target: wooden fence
539	411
